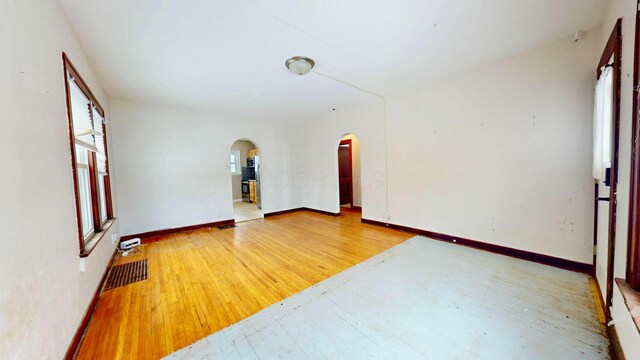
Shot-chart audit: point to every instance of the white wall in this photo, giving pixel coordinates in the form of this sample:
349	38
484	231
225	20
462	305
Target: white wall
321	139
44	295
499	154
625	9
172	165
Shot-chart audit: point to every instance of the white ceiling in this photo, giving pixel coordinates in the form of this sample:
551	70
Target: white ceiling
228	56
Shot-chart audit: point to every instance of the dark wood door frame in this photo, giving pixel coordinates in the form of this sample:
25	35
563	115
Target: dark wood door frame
349	143
613	49
633	247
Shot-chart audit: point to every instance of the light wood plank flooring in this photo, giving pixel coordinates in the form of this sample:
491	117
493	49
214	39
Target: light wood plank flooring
203	281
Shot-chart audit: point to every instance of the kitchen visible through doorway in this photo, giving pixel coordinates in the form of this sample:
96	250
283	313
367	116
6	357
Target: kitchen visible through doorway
244	165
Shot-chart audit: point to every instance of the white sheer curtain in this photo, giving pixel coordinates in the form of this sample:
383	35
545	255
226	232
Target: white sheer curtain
602	123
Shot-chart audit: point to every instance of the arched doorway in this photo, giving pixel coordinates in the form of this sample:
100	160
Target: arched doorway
244	165
349	177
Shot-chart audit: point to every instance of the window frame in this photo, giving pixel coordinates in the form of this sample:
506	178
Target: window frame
611	52
100	225
238	162
88	180
633	240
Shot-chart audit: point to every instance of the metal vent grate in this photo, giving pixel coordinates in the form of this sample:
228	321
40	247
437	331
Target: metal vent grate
126	274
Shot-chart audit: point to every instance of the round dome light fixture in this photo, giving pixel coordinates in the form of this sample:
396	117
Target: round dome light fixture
299	65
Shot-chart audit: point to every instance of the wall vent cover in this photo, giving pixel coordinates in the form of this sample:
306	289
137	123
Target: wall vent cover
126	274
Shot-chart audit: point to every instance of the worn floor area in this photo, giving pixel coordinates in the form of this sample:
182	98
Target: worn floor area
243	211
424	299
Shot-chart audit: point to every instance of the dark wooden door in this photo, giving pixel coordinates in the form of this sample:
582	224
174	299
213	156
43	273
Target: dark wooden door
344	172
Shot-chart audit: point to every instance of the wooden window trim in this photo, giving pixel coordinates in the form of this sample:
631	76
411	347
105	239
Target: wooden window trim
633	246
93	187
88	243
107	178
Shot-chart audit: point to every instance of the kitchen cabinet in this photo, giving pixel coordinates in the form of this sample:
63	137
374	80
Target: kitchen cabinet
252	191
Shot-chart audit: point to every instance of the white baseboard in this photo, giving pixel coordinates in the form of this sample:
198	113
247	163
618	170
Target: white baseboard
237	200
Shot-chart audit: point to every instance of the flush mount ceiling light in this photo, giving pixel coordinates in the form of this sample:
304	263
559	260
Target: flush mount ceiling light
299	65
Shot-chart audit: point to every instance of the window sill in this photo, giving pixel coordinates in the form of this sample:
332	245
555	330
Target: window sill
631	299
91	243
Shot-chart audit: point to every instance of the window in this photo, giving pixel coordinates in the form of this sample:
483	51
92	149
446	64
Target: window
234	163
603	123
87	134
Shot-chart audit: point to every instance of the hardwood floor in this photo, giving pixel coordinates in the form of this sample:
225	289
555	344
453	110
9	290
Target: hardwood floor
205	280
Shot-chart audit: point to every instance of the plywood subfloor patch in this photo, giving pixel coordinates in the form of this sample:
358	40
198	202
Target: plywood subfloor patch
424	299
126	274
